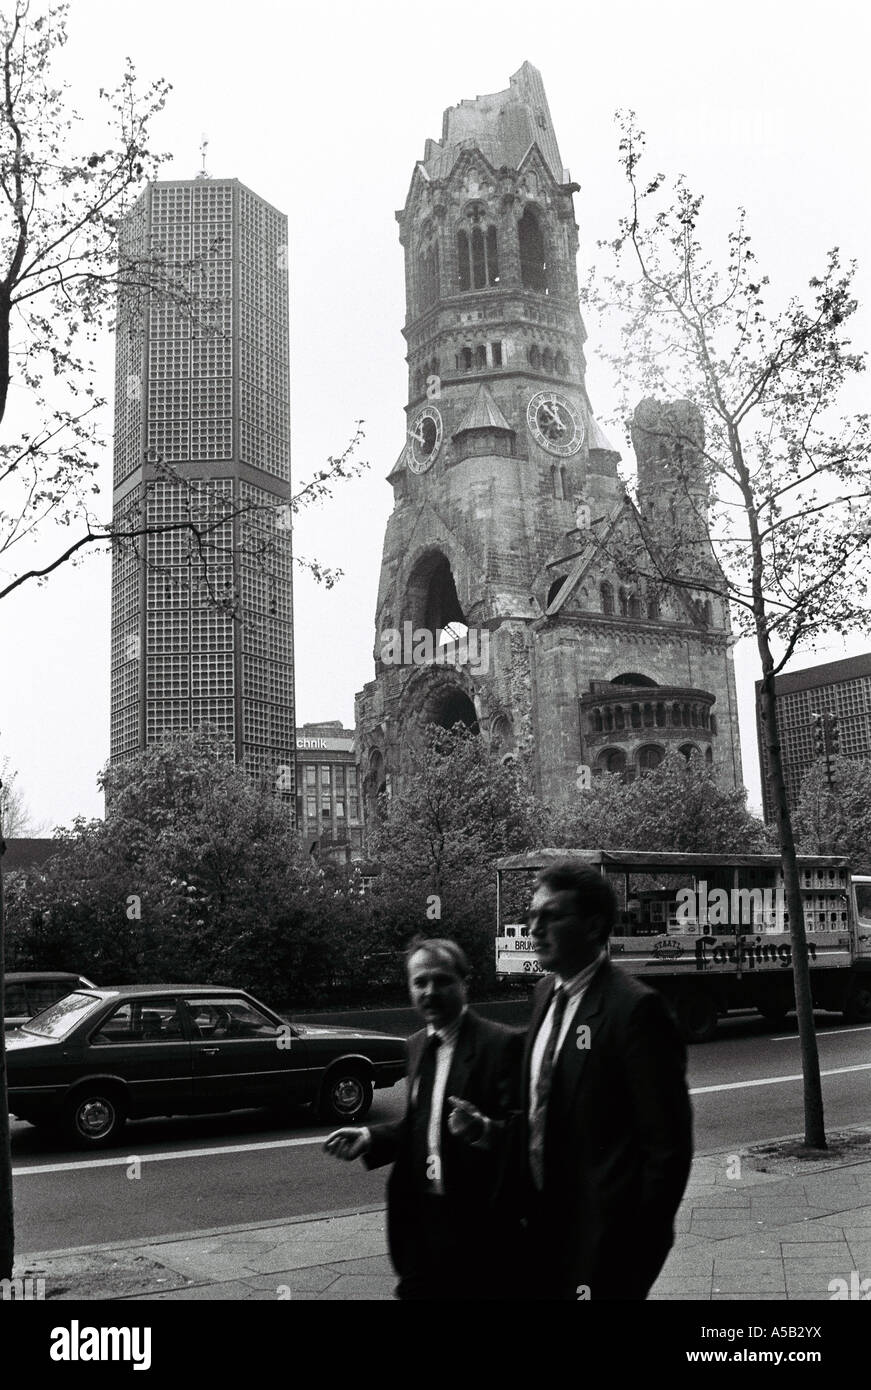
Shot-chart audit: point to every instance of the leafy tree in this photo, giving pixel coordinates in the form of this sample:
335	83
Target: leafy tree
195	874
438	839
834	817
62	274
678	806
787	475
15	818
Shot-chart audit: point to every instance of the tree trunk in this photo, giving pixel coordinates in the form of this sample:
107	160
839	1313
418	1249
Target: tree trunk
814	1128
7	1230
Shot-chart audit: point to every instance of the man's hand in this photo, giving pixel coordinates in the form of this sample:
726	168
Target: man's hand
347	1143
465	1121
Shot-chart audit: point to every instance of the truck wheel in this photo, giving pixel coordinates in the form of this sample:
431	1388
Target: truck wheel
858	1006
697	1015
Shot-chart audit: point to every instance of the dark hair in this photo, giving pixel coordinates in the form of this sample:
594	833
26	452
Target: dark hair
593	894
447	950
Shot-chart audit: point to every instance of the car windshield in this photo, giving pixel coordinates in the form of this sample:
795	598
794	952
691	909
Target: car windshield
60	1018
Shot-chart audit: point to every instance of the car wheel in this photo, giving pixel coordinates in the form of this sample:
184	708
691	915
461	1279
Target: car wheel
346	1096
95	1117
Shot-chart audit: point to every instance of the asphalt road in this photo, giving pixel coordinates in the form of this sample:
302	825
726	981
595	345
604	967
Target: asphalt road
174	1176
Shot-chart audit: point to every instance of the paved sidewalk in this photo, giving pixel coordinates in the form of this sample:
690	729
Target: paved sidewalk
760	1235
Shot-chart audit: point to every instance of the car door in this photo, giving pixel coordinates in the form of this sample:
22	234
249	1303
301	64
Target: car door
241	1056
145	1042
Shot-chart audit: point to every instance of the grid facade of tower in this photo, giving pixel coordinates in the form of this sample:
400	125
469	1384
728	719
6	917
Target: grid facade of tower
202	621
835	687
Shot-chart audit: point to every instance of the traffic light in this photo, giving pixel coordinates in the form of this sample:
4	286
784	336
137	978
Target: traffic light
819	735
834	735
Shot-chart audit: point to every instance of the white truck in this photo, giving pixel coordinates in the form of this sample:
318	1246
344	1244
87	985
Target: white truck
711	931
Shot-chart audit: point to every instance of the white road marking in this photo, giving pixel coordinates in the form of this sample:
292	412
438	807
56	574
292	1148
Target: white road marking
163	1158
773	1080
319	1138
829	1033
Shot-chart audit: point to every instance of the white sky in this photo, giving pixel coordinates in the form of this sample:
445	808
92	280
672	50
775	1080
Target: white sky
323	109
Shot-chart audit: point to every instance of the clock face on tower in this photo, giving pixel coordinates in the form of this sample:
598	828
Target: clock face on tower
424	439
554	423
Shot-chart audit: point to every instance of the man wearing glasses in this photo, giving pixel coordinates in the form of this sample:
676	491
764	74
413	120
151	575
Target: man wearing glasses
603	1145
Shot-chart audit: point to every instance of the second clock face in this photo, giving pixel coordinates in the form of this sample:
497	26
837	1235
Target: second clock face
555	423
424	439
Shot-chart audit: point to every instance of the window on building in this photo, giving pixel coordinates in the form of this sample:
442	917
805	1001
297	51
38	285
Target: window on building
477	256
649	757
311	775
496	353
547	360
339	775
340	810
607	594
533	263
534	357
311	807
465	359
428	273
481	356
325	776
464	265
612	760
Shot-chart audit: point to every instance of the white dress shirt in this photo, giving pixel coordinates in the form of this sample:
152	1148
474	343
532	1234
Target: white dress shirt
574	989
444	1057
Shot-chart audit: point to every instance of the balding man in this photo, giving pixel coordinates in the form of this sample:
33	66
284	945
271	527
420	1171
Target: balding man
442	1237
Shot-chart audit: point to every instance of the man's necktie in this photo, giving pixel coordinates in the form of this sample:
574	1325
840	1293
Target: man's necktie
420	1154
542	1096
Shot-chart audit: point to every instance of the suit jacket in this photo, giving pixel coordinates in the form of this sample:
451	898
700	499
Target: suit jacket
618	1141
485	1070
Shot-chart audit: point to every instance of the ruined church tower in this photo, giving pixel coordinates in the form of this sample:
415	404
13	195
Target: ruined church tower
506	493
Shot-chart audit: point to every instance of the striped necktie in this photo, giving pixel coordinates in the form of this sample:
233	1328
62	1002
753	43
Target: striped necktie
538	1121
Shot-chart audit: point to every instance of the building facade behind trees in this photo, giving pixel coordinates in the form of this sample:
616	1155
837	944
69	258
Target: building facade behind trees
839	692
202	621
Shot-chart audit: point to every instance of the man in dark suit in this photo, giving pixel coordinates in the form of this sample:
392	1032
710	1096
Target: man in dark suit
443	1240
601	1151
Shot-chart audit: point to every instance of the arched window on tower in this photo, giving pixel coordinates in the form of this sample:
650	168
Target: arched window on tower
428	272
533	260
558	478
464	264
534	357
547	360
481	357
477	251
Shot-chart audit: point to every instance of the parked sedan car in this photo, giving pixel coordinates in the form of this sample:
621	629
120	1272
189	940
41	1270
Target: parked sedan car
28	992
101	1056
